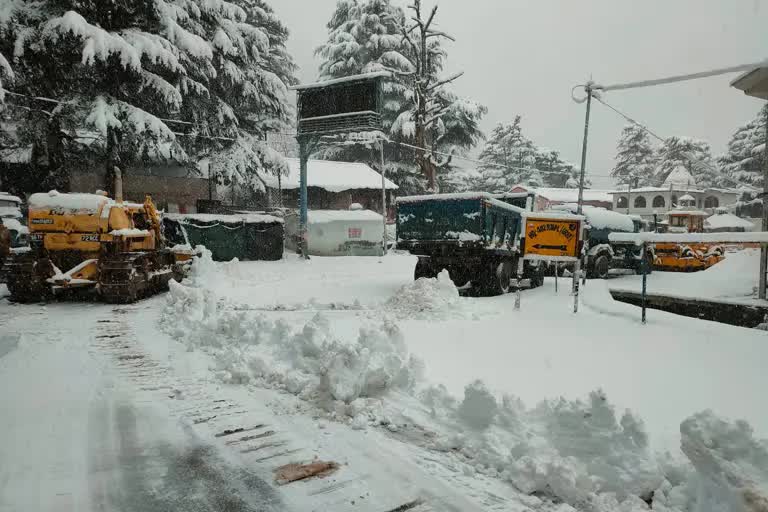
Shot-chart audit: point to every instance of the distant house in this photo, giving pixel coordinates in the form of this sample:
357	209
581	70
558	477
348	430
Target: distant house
331	186
723	221
174	187
553	196
679	187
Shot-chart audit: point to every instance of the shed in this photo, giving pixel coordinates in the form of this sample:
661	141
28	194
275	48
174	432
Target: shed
339	232
333	185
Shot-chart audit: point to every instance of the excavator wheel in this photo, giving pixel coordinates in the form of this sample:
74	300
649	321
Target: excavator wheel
26	277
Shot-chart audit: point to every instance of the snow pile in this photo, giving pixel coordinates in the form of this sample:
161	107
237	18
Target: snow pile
425	298
731	465
311	362
567	450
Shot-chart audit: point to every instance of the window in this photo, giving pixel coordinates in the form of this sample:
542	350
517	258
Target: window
658	202
711	202
678	221
640	202
674	201
622	202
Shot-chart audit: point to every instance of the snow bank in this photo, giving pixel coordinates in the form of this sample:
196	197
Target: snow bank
425	298
716	238
72	201
310	362
731	465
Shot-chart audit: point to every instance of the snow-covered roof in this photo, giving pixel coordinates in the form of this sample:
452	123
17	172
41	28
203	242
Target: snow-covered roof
351	78
692	213
320	216
331	176
680	176
71	201
727	220
571	195
687	197
248	218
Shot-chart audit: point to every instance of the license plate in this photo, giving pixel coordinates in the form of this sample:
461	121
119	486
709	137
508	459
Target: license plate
90	238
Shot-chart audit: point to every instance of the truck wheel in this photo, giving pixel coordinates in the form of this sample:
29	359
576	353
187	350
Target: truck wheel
424	268
599	267
495	279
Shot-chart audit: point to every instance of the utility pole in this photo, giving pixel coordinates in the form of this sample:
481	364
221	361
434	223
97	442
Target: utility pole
383	199
629	194
304	152
577	266
763	247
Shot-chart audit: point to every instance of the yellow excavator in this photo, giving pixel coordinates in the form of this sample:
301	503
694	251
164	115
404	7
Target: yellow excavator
112	247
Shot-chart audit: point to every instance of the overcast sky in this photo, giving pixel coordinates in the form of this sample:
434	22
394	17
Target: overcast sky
524	56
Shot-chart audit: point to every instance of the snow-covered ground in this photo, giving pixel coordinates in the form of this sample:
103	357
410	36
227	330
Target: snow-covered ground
733	279
419	395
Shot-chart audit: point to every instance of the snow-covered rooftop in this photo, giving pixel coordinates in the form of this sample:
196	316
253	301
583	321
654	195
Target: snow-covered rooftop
571	195
727	220
351	78
681	177
248	218
687	197
320	216
332	176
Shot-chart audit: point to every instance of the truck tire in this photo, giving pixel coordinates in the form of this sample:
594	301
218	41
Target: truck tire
599	266
537	277
424	268
495	279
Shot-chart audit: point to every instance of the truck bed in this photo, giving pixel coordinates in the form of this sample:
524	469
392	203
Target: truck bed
469	221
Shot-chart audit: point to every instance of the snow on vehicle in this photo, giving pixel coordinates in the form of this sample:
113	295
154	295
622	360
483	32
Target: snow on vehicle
12	218
473	235
113	247
687	257
602	255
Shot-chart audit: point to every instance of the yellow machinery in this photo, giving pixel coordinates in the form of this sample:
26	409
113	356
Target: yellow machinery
686	257
88	241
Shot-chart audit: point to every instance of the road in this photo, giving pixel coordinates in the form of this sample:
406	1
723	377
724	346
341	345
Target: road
85	427
100	415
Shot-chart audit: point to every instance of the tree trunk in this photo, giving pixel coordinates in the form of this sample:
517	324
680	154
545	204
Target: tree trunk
56	176
113	138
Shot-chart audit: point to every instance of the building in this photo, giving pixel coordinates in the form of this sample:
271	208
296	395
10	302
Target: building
546	197
174	187
331	186
679	187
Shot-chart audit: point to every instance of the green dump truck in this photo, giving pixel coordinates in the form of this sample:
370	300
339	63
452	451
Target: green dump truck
473	235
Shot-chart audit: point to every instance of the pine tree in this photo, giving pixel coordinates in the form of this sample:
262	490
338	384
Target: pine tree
744	160
123	69
371	35
509	158
635	157
692	154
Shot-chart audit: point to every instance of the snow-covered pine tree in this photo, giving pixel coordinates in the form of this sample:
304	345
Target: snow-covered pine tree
504	156
692	154
123	69
555	171
744	160
635	157
370	35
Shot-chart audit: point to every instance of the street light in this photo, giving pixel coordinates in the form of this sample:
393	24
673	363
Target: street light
755	83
